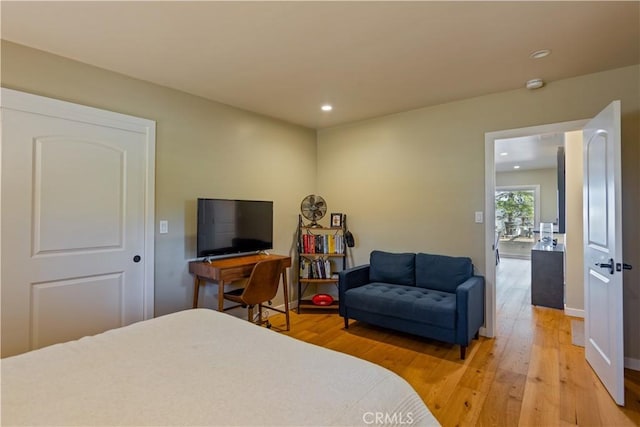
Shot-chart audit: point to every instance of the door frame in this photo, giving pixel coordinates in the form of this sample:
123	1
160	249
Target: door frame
27	102
489	328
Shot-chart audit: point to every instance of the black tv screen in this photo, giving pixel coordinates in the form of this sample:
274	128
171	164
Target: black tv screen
234	226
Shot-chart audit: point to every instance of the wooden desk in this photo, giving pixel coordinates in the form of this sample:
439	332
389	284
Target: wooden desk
227	270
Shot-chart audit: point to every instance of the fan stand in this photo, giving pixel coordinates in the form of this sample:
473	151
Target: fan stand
314	224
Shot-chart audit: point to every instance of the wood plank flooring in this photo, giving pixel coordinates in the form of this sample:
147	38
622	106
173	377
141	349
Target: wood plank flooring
530	374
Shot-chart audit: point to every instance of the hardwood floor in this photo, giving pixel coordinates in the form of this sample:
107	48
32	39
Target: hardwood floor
530	374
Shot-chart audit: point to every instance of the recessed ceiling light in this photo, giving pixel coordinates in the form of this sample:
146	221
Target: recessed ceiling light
504	153
326	107
534	84
516	167
540	53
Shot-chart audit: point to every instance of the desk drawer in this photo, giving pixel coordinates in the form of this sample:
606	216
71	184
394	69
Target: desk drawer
236	273
203	269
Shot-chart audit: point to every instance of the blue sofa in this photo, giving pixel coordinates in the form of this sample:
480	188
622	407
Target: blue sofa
433	296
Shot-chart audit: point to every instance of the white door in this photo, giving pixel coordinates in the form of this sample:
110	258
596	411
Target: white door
603	250
75	243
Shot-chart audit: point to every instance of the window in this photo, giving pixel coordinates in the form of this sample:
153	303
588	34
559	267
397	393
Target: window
516	215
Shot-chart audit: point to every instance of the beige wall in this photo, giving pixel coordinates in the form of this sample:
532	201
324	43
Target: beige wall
547	179
203	149
412	181
574	253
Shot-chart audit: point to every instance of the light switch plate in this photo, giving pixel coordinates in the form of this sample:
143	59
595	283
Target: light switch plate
164	227
479	217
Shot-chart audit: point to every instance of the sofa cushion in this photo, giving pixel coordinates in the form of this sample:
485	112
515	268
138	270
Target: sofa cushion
441	272
405	302
398	269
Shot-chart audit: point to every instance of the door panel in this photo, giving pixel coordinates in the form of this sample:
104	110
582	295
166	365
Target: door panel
58	305
599	332
65	168
597	190
604	347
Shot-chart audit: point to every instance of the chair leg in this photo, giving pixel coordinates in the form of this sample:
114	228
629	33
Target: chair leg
463	351
250	313
346	322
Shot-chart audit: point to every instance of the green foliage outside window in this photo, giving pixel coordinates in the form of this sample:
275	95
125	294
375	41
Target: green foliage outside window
514	209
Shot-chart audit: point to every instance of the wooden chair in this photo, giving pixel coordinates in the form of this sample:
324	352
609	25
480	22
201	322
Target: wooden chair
261	287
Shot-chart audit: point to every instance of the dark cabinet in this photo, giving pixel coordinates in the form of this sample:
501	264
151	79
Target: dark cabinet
547	276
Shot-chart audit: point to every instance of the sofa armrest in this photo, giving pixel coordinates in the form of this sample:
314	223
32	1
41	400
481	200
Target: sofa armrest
349	279
470	308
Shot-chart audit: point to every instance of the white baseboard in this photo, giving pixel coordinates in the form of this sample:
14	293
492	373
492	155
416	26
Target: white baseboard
484	332
573	312
292	306
633	364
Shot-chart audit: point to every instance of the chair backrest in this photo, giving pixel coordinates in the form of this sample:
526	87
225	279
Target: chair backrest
263	283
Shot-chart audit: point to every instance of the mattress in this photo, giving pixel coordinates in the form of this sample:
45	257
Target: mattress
201	367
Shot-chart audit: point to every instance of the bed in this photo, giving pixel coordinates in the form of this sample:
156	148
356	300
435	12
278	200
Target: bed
201	367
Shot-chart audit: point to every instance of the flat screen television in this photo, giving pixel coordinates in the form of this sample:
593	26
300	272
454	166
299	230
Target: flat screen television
233	226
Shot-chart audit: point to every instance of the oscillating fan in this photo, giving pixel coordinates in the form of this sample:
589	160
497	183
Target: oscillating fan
313	208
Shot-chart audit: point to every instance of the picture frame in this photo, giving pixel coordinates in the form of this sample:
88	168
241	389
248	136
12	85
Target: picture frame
336	220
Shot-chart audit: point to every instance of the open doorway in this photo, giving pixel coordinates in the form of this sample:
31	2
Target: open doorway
499	175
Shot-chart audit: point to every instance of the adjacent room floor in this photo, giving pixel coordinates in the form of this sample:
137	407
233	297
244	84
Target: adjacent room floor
516	247
529	374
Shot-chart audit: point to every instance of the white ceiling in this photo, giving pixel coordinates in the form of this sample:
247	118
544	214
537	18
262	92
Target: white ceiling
528	152
284	59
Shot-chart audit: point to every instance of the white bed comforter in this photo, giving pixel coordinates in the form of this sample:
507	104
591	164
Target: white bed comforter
201	368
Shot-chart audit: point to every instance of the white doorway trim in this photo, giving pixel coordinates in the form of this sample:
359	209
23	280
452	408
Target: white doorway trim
490	210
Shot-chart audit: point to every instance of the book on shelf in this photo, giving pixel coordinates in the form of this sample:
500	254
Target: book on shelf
310	244
321	271
339	244
331	239
322	244
316	269
304	268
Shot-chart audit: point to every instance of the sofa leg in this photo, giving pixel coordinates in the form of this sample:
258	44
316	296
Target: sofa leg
346	323
477	336
463	351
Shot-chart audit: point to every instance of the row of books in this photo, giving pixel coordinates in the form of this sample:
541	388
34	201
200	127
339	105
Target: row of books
322	243
315	269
